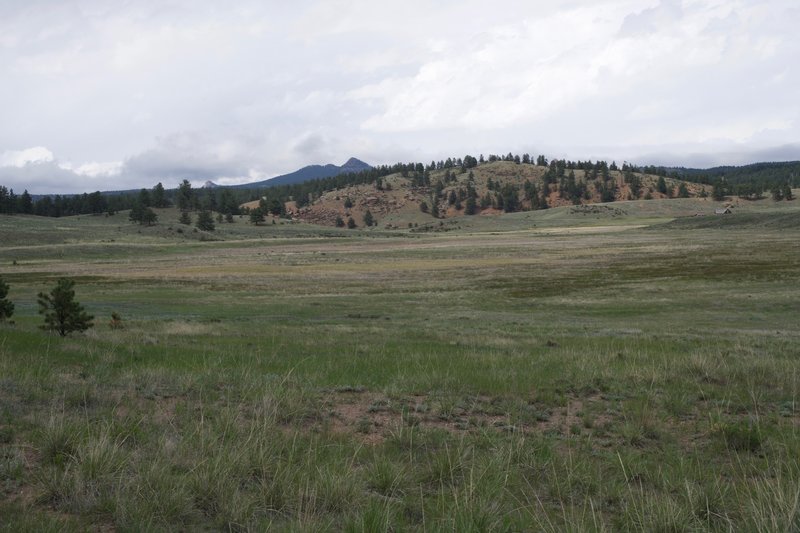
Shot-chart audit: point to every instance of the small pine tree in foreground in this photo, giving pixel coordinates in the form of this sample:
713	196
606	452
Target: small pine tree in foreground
61	312
6	307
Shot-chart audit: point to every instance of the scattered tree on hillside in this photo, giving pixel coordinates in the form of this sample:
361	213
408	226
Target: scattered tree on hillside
348	203
339	222
509	198
277	208
369	220
144	198
226	203
683	191
423	206
143	215
452	197
158	196
634	182
471	207
718	191
661	185
205	221
185	196
61	312
608	191
787	191
434	208
6	306
184	218
351	224
750	191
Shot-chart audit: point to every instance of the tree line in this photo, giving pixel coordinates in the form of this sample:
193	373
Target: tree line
751	181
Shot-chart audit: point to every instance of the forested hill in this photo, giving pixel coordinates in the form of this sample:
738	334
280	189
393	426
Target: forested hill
763	173
451	187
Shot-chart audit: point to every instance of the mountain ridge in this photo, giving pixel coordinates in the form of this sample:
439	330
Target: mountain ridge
309	172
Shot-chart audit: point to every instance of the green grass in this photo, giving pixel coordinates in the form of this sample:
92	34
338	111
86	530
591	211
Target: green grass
500	376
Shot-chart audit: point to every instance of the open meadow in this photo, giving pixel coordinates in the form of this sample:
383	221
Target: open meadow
603	369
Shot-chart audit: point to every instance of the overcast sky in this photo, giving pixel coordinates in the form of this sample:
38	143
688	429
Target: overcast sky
116	95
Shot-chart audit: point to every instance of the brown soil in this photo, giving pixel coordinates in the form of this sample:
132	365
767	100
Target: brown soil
373	417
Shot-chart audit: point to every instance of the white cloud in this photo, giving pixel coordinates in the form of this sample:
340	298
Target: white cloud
152	91
95	169
20	158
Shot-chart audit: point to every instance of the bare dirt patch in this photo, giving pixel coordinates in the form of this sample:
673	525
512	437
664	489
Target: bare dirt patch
373	416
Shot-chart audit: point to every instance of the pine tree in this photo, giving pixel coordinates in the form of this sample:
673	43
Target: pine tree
718	191
143	215
205	221
184	218
661	186
470	207
61	312
369	220
435	209
6	307
351	224
158	196
185	196
26	203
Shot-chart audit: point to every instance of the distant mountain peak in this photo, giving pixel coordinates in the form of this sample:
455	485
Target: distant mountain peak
310	172
354	165
210	185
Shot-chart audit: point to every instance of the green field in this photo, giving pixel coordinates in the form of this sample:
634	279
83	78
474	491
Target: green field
625	369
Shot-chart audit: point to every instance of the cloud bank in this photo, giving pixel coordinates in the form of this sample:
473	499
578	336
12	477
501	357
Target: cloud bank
102	96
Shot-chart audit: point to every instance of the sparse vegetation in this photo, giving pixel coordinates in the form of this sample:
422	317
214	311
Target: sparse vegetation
116	321
599	367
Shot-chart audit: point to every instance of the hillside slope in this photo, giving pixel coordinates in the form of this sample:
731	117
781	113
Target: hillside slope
399	200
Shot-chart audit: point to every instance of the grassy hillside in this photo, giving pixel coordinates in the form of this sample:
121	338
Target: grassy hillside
398	201
583	368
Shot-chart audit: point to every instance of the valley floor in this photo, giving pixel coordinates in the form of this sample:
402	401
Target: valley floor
621	374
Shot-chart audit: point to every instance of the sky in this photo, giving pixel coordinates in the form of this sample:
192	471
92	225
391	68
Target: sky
110	95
